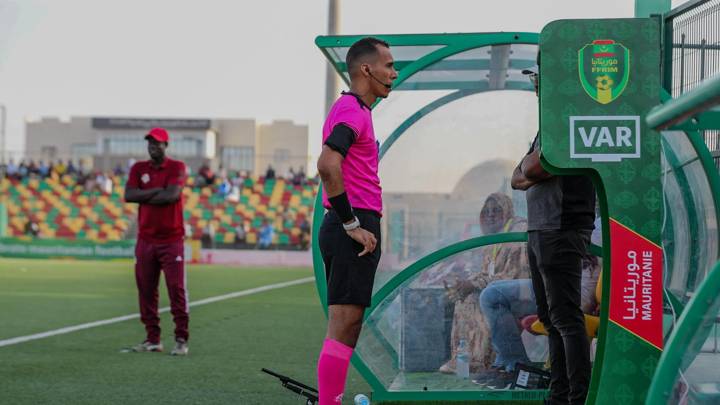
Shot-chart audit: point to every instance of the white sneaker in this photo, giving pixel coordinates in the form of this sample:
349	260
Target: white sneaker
181	348
147	346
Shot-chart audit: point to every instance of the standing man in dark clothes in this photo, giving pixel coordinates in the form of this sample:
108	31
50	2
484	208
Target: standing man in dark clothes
156	185
561	213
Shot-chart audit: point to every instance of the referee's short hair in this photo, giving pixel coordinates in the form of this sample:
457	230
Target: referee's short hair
360	50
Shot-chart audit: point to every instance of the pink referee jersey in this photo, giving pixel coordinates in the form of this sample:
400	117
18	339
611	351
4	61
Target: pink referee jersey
360	166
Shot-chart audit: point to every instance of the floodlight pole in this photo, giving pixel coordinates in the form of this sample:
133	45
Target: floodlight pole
331	77
3	116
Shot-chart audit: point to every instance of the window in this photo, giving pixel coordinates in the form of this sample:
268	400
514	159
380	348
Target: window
83	150
238	158
49	151
126	145
281	155
132	145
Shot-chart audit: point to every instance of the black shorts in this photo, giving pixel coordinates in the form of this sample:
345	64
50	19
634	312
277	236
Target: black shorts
349	278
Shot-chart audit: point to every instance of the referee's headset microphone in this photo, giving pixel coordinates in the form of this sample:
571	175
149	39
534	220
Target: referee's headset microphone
387	86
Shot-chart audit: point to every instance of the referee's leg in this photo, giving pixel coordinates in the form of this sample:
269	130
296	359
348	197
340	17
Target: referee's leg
349	280
147	276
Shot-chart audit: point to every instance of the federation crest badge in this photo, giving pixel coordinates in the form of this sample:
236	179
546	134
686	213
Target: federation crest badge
145	178
604	68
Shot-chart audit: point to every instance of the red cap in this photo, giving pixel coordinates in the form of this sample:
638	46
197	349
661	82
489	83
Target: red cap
159	134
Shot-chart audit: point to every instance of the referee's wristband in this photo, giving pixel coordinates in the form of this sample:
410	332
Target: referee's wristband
341	205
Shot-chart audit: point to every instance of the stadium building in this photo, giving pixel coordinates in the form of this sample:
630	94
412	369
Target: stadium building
105	142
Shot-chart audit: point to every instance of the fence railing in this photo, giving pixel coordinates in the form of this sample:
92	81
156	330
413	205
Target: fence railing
692	51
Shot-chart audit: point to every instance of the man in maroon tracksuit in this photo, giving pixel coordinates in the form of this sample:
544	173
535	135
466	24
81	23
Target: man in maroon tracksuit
156	185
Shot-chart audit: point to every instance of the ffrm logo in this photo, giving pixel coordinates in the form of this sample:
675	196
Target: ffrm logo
605	138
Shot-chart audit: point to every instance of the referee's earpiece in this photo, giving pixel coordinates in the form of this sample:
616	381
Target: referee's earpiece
388	86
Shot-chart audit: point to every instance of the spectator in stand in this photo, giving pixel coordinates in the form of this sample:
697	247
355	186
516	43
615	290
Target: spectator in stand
208	236
107	184
43	169
99	181
118	170
130	164
234	195
60	168
188	231
304	234
300	177
224	188
33	170
71	170
207	177
267	232
238	179
291	175
12	170
270	173
22	169
32	228
241	234
82	170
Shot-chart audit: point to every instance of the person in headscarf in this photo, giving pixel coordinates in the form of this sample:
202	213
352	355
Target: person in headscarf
499	262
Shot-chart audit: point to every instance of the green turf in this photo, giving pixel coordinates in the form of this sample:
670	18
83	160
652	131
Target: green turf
230	340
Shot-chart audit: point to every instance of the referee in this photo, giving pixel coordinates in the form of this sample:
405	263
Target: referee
350	233
156	185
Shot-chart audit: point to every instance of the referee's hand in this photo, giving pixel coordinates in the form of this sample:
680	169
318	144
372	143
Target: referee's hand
365	238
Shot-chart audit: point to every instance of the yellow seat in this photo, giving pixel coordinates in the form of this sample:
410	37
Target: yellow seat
592	322
229	238
251	238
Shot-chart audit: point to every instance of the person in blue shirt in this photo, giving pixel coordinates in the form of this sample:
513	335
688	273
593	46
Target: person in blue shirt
266	235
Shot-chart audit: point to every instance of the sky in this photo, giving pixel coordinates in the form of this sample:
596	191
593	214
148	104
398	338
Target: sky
217	58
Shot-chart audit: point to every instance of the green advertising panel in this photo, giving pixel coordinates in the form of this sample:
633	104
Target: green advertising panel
599	79
59	248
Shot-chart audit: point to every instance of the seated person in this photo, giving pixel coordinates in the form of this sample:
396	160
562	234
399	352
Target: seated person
504	302
499	262
267	232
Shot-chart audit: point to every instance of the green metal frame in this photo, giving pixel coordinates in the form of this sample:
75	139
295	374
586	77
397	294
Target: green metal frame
453	44
698	144
687	196
677	110
379	391
704	302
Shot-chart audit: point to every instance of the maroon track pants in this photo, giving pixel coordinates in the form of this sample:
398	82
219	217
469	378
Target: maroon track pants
150	259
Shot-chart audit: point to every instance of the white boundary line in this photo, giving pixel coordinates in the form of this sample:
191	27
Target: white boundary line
210	300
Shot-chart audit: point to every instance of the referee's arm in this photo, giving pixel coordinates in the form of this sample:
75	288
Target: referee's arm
330	169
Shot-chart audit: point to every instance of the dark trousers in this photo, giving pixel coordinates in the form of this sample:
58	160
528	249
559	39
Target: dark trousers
150	260
555	265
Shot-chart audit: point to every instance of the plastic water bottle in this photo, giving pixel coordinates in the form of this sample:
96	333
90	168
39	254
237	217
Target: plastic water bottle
361	399
462	362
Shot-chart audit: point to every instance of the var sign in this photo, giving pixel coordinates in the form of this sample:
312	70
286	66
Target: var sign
605	138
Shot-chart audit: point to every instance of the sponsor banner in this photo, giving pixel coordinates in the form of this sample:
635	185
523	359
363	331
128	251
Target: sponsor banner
147	123
636	284
54	248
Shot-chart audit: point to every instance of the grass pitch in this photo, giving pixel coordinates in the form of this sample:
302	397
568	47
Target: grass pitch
230	340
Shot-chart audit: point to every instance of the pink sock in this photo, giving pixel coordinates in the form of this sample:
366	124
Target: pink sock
332	371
